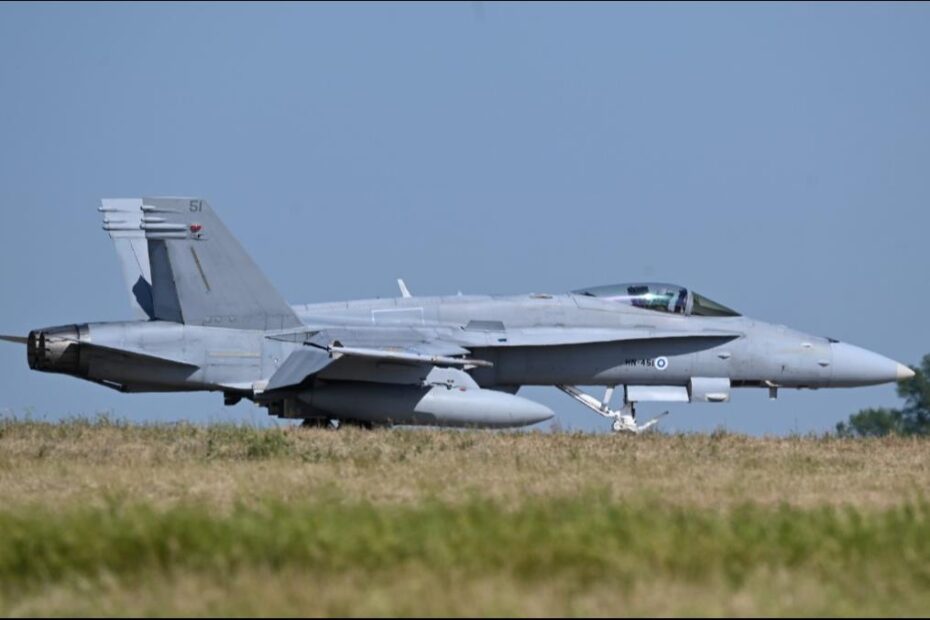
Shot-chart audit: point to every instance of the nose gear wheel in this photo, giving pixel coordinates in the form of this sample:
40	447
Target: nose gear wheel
624	419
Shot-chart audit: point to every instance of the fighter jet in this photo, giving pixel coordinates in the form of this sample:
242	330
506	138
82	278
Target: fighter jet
207	319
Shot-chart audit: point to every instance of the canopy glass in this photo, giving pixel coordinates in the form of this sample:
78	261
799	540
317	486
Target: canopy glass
669	298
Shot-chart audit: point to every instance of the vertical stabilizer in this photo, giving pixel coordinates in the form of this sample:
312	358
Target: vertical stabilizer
200	273
122	219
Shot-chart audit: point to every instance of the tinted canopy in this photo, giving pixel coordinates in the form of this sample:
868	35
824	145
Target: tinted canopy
659	297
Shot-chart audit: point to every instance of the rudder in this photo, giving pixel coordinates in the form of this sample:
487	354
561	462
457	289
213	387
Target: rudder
122	219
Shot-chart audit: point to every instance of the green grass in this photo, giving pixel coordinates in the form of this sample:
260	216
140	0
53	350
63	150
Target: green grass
106	518
577	540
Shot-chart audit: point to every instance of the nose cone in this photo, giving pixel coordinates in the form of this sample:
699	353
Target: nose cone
854	366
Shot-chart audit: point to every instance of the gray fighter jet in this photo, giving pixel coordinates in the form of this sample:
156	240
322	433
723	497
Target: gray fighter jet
208	319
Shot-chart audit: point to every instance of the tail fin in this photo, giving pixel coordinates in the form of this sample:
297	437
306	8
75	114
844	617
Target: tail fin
200	273
122	219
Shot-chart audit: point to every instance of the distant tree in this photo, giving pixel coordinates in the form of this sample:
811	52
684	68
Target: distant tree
912	419
916	391
872	423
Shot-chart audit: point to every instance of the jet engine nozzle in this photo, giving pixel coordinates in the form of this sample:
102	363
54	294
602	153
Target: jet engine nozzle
56	349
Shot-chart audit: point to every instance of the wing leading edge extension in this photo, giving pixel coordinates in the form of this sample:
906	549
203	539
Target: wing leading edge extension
557	336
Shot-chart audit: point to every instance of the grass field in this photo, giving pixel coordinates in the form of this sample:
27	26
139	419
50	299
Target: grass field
105	518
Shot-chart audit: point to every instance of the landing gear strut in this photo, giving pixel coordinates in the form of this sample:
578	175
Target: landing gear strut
624	419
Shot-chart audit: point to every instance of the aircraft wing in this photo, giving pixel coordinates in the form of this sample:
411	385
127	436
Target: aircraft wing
367	349
397	343
405	356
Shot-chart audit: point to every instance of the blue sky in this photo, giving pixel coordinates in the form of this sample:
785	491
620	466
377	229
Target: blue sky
774	157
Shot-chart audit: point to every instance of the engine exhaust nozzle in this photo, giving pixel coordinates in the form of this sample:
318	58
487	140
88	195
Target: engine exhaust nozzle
56	349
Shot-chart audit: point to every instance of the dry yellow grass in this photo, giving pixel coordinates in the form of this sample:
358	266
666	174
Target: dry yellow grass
221	466
105	518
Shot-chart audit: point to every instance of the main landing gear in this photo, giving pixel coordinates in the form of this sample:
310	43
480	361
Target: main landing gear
624	419
334	424
317	423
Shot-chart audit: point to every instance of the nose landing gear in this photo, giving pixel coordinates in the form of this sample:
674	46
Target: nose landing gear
624	419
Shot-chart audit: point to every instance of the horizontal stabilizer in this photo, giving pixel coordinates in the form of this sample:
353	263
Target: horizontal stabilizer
299	365
15	339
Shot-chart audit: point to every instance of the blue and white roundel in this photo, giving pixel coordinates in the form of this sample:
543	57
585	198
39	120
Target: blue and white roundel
661	363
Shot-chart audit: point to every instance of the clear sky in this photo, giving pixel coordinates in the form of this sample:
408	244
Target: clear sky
773	157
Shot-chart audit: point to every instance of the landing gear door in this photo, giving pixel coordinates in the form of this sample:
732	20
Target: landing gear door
709	389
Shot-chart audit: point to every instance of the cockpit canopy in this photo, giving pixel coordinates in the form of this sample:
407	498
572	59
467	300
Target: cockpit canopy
669	298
